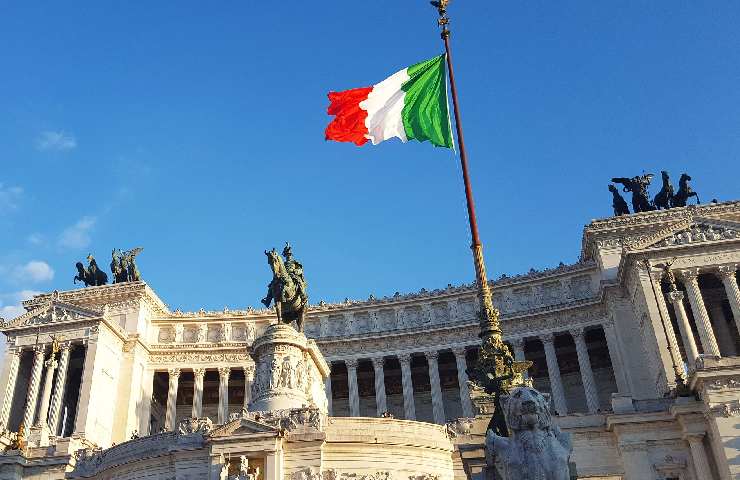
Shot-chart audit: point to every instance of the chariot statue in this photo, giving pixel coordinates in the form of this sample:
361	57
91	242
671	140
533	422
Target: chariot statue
684	192
92	275
123	265
287	288
618	204
664	198
638	186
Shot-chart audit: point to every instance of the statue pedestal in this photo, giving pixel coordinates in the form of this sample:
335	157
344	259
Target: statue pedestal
39	436
289	371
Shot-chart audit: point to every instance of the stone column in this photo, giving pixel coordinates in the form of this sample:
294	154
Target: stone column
59	389
724	335
518	344
437	403
380	397
409	410
248	379
14	355
667	325
553	371
703	325
51	365
327	390
169	422
198	373
615	355
223	394
147	388
699	455
354	396
587	375
727	274
684	327
462	382
33	386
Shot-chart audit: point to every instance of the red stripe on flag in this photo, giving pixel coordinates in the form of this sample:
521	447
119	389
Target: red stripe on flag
349	123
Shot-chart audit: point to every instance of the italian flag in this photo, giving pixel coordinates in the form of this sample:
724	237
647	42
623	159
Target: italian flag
410	104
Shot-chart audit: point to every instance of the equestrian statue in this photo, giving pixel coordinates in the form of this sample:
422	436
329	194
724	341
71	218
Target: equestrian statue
638	186
92	275
618	204
287	288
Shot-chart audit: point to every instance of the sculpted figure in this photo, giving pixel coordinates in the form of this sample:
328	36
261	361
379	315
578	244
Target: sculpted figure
684	192
638	186
274	373
535	449
618	204
92	275
286	374
287	288
664	198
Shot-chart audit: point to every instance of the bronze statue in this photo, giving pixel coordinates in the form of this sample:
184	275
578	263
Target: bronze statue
638	186
664	198
123	265
684	192
287	288
92	275
618	203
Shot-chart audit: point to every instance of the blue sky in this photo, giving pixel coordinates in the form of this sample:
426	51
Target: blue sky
196	131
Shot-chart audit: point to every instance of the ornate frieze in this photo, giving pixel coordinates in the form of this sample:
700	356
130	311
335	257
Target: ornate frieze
180	358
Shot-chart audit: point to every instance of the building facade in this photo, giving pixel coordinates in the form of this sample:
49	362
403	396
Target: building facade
644	374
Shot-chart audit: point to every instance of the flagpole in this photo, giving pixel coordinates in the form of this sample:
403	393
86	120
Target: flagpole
489	322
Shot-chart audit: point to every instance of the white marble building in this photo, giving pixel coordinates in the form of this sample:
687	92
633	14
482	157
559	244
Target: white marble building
610	342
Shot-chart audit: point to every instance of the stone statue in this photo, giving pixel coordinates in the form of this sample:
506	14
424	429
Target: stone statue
92	275
123	265
618	203
684	192
664	198
287	288
243	465
536	448
638	186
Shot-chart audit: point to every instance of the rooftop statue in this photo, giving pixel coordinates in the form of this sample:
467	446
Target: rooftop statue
287	288
92	275
638	186
618	203
684	192
664	198
123	265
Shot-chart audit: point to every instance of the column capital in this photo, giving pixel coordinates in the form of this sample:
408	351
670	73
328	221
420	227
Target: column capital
39	349
727	271
199	372
695	437
351	363
459	351
378	362
224	372
51	363
547	338
65	346
432	355
174	372
689	274
404	358
577	333
249	372
517	342
676	296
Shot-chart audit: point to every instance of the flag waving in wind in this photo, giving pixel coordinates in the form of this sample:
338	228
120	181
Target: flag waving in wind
410	104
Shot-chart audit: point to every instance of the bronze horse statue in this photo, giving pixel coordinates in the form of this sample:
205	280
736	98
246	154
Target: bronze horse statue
684	192
290	306
664	198
92	275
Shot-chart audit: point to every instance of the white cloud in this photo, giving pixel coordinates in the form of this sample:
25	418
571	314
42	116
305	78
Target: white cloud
9	198
15	309
55	141
34	271
78	235
36	239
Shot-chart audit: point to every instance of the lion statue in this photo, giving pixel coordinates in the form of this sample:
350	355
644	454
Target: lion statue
536	449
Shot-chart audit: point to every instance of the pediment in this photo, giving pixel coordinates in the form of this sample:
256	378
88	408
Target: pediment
692	231
243	426
53	312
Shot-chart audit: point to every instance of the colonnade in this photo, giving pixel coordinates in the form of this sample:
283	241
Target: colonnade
704	326
43	414
548	341
224	373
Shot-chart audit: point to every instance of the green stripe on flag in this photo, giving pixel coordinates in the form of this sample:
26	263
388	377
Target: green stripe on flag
425	113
